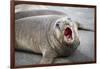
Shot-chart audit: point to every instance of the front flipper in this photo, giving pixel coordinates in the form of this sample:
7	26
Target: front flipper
84	27
48	57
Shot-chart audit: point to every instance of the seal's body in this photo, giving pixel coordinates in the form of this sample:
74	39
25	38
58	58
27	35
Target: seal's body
51	35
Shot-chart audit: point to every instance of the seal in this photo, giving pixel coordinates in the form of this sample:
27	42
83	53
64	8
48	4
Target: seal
50	35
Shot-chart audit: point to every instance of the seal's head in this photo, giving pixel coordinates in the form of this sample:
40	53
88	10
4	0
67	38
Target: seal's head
66	31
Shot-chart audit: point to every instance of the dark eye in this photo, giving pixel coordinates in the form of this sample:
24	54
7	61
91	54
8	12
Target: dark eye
69	19
57	25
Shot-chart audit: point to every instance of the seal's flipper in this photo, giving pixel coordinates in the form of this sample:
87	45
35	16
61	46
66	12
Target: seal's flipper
45	60
48	56
83	27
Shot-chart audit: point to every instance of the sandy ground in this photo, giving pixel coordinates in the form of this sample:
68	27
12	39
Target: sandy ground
84	53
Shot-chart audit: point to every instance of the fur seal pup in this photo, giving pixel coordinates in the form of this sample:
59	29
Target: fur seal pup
51	35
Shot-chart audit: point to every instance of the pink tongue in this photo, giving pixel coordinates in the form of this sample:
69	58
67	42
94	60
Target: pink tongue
68	32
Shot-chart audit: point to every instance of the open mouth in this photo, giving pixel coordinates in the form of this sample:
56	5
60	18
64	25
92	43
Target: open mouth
68	33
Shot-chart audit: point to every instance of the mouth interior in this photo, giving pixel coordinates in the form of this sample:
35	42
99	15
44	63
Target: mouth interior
68	33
